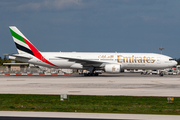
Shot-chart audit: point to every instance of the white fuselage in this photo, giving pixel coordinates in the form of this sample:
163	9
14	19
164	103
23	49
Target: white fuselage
126	60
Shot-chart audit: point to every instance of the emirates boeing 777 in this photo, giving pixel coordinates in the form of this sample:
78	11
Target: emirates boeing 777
90	61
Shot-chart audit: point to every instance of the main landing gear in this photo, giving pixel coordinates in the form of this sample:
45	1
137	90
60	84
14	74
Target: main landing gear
91	74
91	71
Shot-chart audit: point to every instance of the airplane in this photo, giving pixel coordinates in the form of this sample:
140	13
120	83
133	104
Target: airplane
90	61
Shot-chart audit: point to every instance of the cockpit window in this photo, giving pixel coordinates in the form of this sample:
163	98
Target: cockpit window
171	59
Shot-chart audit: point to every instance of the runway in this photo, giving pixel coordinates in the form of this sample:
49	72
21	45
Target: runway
127	84
14	115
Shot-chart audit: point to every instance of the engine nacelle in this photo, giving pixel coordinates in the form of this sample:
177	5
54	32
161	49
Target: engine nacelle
112	68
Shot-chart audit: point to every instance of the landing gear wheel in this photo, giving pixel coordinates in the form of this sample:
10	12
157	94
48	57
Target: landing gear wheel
161	74
91	74
96	74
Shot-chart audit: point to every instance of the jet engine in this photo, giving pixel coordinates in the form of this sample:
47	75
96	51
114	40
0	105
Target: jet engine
112	68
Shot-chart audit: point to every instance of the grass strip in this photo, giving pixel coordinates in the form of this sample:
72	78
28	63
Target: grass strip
90	104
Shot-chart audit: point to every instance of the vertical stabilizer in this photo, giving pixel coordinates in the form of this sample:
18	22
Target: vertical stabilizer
24	46
21	41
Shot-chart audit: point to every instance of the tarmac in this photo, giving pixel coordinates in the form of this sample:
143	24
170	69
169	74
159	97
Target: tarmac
124	84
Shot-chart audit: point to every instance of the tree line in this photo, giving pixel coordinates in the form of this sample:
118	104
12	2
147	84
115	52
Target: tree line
6	60
178	60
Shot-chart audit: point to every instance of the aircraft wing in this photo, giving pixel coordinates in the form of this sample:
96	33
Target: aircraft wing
24	57
83	61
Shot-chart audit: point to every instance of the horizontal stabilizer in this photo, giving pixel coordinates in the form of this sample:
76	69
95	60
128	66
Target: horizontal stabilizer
24	57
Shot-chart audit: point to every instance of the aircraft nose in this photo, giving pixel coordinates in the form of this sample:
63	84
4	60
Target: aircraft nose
175	63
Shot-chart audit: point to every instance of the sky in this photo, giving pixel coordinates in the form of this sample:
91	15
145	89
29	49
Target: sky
138	26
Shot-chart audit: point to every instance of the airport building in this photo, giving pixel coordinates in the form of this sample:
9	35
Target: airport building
15	66
31	69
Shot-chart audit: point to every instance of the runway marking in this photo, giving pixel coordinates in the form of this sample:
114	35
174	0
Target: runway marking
111	81
15	80
74	91
157	82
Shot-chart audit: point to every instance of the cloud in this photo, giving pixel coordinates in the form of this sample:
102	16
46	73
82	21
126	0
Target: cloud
51	5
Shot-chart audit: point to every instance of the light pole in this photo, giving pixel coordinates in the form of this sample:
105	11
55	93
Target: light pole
161	49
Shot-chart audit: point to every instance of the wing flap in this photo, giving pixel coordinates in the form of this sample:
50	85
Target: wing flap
83	61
